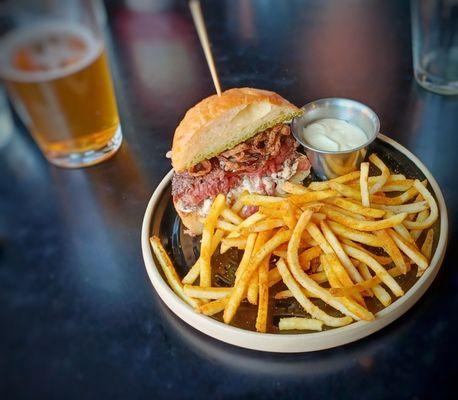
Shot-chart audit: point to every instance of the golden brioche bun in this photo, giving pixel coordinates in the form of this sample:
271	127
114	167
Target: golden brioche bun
219	123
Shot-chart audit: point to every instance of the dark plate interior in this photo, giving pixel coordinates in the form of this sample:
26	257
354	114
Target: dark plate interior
184	250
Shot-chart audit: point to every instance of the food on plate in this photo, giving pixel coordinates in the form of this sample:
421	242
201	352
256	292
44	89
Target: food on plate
363	184
335	247
295	323
239	141
170	272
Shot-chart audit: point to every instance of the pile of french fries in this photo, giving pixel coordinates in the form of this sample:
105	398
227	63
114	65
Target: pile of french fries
340	241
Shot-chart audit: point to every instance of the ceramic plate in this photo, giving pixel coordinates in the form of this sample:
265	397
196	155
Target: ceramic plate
161	219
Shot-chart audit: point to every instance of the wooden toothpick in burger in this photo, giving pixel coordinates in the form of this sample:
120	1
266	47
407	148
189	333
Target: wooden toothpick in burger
197	16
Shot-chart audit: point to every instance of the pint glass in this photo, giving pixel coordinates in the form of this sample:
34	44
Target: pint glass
54	64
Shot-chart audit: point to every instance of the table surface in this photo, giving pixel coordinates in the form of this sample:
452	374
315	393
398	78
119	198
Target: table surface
79	316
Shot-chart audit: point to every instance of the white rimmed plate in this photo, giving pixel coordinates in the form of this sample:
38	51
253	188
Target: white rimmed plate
160	219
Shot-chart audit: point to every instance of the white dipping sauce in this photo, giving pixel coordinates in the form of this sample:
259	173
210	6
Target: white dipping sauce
330	134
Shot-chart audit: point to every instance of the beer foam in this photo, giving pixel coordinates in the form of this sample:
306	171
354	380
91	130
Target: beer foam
24	37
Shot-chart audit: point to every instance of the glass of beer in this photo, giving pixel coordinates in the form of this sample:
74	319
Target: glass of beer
54	64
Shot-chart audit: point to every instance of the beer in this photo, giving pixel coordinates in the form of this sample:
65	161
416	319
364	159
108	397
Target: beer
59	79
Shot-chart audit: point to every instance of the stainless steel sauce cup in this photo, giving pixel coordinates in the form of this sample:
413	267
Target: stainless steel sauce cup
331	164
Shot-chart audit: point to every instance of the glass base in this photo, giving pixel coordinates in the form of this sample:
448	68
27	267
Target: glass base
432	85
91	157
437	71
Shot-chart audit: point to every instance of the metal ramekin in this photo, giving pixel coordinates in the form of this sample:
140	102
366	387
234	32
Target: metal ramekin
331	164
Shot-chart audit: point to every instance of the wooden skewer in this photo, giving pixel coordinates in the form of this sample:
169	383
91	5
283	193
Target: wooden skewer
197	16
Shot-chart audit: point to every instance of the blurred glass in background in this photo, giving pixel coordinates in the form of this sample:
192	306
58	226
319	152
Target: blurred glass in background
6	122
54	64
435	44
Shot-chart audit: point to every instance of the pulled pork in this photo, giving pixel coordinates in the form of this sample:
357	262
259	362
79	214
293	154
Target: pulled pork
254	153
262	155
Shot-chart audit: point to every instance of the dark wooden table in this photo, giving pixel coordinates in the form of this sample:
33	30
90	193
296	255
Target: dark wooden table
79	316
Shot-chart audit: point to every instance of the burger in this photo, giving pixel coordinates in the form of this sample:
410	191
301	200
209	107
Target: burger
239	141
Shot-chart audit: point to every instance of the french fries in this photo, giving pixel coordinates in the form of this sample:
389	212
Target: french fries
386	278
406	208
391	179
434	211
410	251
364	188
356	208
251	240
308	306
239	242
316	234
226	226
301	324
383	177
260	200
263	282
296	270
286	294
335	274
266	225
352	193
341	179
241	286
275	277
312	196
347	212
356	288
380	259
293	188
404	232
194	272
339	251
213	307
307	255
352	234
231	216
338	241
205	248
421	216
397	186
200	292
251	220
288	214
252	293
391	248
238	205
170	272
427	246
367	226
382	295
